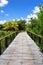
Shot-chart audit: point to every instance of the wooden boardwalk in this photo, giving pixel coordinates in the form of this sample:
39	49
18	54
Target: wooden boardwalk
22	51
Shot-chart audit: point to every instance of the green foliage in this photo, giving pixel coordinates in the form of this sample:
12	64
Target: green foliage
35	25
14	25
1	26
28	27
40	17
11	25
40	46
4	33
21	24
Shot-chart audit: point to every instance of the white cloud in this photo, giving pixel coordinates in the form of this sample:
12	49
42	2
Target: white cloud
7	14
31	16
22	18
34	15
27	21
3	3
2	21
13	19
36	9
18	19
2	11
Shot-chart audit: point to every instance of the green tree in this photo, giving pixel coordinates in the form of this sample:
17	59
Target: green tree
21	24
35	25
40	17
11	25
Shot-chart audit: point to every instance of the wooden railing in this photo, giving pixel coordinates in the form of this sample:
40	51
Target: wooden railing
38	39
35	37
5	41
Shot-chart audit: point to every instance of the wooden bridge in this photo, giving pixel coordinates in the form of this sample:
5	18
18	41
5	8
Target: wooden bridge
22	51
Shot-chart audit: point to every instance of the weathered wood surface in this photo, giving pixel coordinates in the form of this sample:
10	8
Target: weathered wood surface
22	51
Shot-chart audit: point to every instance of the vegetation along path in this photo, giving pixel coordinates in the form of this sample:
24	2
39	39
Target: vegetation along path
22	51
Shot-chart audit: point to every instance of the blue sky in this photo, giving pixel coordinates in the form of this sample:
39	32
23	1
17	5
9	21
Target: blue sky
16	9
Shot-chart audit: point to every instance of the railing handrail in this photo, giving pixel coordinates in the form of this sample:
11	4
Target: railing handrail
6	40
35	34
37	38
16	31
7	35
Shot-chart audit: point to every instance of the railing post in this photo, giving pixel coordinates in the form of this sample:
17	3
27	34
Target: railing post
34	38
0	47
42	40
6	42
16	32
29	33
13	35
39	40
10	38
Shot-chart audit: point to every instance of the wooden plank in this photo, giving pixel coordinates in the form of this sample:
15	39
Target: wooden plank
22	51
